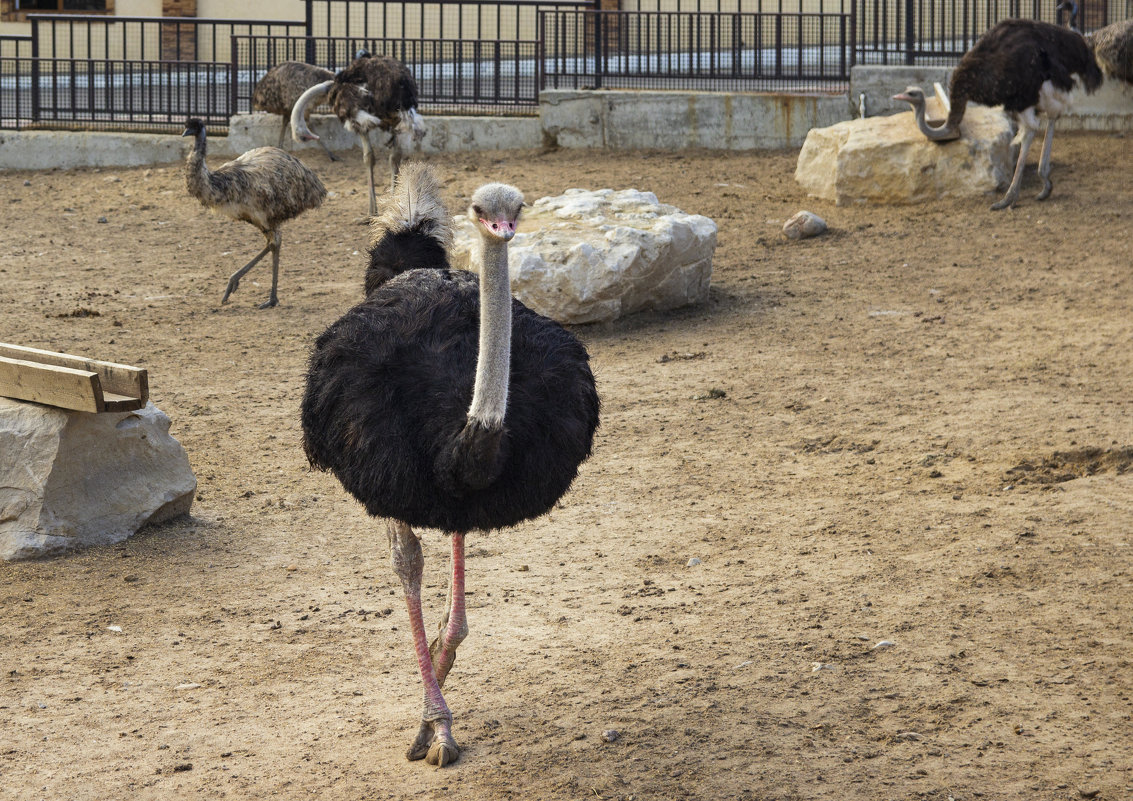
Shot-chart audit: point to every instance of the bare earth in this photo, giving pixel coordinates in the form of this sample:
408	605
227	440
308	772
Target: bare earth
915	429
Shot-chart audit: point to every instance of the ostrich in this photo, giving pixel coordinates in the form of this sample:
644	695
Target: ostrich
281	86
1027	67
1112	45
264	187
440	401
373	92
1113	49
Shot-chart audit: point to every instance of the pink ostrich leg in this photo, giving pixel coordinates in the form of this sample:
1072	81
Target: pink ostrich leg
434	741
454	625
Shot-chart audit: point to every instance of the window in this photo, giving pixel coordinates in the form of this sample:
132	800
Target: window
18	10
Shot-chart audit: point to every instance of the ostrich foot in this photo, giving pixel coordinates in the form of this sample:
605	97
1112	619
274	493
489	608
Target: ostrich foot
434	743
1047	187
1009	200
269	303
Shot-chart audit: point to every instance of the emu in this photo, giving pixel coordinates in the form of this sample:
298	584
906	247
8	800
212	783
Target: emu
374	92
1027	67
440	401
264	187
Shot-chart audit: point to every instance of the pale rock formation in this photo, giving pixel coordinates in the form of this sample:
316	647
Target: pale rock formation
73	479
888	160
593	256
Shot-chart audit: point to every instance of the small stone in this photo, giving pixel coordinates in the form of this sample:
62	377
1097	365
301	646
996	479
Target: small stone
1090	793
27	183
883	644
103	220
610	735
804	225
187	686
693	562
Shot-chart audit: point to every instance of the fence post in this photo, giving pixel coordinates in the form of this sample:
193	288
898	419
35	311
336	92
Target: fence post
599	35
309	28
35	100
234	73
909	32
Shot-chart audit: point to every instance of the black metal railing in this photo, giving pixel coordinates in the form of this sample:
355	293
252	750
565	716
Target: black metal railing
713	52
453	76
481	56
138	95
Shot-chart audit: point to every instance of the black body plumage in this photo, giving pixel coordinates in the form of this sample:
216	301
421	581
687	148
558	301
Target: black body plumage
379	85
388	392
1008	65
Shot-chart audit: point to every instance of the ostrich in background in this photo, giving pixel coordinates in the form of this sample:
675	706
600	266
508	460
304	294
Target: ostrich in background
374	92
1113	49
440	401
1027	67
264	187
284	84
1112	45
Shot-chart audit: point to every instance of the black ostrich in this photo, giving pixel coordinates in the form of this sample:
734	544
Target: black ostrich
284	84
1027	67
374	92
440	401
265	187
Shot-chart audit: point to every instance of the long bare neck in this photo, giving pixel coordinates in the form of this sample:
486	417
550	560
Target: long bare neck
493	365
951	127
197	173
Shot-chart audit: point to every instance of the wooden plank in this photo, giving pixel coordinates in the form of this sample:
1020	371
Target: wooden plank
116	379
65	387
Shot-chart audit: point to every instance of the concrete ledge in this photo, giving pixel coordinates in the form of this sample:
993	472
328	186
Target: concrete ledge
622	120
43	150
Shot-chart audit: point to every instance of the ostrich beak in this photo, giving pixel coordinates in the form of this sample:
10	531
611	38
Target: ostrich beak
903	96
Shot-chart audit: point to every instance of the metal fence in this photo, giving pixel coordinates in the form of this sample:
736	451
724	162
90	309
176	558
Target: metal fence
470	76
711	51
483	56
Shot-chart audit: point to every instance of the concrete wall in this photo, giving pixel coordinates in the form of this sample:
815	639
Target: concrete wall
606	119
574	119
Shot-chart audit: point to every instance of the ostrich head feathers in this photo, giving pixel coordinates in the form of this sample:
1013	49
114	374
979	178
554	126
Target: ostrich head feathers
496	208
414	205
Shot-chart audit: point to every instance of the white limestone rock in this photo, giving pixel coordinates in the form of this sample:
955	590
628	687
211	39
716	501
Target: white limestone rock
803	225
888	160
592	256
73	479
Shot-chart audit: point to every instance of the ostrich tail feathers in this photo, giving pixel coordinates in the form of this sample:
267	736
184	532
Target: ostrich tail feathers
412	229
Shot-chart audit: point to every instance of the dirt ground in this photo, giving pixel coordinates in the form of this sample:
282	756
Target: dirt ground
915	429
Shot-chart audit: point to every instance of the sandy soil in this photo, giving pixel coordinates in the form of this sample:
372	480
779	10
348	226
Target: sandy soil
920	434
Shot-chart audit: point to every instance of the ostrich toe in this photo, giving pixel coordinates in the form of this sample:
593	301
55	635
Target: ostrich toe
269	303
434	743
1048	185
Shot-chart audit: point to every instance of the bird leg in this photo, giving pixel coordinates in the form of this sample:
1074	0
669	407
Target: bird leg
1044	162
434	741
395	157
454	625
1017	180
275	242
368	157
234	279
283	131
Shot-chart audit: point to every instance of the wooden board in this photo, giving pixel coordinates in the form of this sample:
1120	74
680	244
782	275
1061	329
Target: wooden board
71	382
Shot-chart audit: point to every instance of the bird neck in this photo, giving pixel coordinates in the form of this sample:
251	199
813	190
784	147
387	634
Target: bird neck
196	170
949	130
493	364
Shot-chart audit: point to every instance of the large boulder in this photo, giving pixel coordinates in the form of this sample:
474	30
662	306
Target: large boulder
591	256
71	479
888	159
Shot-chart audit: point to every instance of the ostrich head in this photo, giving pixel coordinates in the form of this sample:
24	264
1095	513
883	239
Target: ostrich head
913	95
495	208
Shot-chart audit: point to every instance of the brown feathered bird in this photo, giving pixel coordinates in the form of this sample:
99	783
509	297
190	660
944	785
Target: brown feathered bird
1029	68
281	86
1113	49
264	187
374	92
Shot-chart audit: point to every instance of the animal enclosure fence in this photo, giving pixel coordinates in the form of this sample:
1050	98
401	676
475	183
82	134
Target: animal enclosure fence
481	56
719	51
